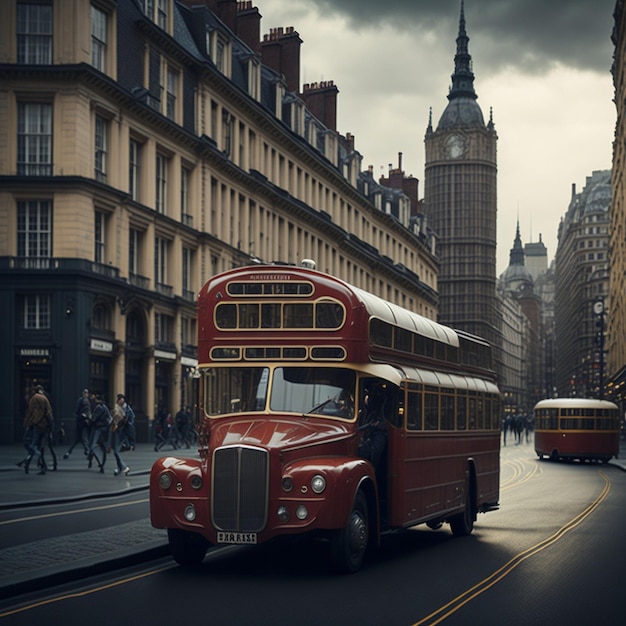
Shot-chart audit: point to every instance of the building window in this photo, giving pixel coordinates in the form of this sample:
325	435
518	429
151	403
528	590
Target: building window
162	328
36	312
148	8
101	317
188	332
34	139
134	169
254	78
161	184
134	251
162	14
172	91
99	237
34	34
188	292
101	149
98	38
34	232
185	175
160	260
156	10
227	132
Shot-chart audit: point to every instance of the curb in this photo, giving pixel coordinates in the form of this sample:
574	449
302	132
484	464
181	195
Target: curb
57	575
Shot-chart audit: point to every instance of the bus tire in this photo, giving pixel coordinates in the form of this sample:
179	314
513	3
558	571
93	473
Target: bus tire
348	545
462	524
187	548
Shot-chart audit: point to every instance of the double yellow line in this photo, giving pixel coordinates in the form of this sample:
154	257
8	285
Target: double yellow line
461	600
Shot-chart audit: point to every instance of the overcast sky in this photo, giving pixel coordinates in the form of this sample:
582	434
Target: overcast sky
543	66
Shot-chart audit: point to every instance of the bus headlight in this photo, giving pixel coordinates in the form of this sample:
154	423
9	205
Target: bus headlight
190	513
196	481
318	483
165	480
301	512
287	483
283	513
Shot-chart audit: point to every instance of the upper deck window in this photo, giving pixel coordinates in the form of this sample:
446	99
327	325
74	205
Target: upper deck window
286	288
325	314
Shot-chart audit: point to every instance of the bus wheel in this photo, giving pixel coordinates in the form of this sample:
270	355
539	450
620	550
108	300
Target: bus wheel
187	548
462	524
554	456
349	544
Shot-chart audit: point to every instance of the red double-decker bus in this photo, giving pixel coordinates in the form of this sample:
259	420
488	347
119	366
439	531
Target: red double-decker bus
327	410
586	429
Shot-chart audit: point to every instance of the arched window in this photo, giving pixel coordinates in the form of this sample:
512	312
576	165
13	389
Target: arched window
101	317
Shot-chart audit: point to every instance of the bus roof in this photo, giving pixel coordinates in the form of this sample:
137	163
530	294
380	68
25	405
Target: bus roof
398	373
564	403
399	316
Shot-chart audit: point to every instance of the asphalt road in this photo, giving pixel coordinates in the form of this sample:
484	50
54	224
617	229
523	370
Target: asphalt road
553	553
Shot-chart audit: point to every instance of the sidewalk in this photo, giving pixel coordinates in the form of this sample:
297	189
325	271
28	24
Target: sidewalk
43	563
46	562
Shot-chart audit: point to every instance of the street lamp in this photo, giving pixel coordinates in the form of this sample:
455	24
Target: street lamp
598	309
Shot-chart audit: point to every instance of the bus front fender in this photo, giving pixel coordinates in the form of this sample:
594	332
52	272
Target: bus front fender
342	478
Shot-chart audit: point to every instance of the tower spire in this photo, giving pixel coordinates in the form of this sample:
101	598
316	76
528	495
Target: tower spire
516	255
463	77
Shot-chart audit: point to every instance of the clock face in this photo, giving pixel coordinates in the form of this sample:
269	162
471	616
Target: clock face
598	307
455	146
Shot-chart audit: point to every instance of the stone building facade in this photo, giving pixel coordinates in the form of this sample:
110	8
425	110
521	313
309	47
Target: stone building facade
616	318
581	281
146	146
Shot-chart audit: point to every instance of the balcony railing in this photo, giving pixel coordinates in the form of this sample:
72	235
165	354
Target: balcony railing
136	280
59	264
164	290
189	295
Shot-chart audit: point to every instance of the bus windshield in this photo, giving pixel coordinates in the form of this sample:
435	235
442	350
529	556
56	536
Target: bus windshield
319	391
327	391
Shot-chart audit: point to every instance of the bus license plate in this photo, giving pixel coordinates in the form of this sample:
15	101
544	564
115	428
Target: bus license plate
224	537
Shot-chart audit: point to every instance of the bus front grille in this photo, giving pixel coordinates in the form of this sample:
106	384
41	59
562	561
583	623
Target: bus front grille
240	487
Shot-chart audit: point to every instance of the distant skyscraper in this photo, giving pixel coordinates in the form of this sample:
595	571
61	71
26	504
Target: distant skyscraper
460	201
536	257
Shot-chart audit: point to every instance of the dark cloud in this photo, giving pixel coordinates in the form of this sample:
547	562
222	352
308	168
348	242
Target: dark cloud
528	35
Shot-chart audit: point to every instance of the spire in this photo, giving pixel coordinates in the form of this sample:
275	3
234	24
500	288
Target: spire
516	256
463	77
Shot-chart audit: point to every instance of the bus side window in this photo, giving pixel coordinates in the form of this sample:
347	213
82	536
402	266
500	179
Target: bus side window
414	410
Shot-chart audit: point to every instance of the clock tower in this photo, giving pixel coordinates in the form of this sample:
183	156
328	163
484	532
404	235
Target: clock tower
460	180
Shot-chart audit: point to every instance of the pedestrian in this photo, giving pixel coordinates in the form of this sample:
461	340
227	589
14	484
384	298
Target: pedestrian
38	422
165	430
82	412
48	440
131	433
100	424
123	428
182	422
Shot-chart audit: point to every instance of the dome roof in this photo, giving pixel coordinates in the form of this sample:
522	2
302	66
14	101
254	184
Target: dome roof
462	112
516	274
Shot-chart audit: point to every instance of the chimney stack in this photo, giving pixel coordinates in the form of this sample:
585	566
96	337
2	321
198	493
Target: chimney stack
281	51
321	100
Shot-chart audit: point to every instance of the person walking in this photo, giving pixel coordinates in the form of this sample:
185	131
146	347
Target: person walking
129	417
182	422
123	428
165	430
100	424
38	422
83	419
